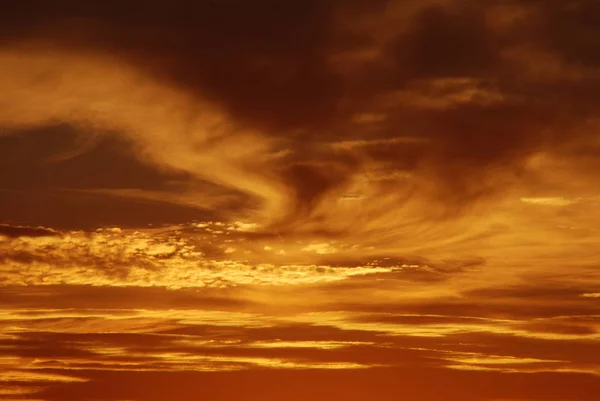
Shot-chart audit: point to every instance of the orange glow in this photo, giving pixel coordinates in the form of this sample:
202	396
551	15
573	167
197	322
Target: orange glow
322	200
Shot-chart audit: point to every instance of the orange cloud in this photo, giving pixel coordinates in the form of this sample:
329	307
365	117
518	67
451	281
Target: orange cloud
368	197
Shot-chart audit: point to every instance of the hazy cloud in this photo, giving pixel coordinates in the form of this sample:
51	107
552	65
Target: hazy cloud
384	199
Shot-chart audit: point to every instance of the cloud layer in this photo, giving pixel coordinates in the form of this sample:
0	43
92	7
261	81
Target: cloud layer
319	199
433	106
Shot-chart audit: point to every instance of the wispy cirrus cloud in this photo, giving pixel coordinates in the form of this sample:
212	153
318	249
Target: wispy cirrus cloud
46	347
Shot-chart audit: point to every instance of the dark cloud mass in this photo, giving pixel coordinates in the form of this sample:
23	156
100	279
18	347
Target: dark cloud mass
486	84
21	231
262	60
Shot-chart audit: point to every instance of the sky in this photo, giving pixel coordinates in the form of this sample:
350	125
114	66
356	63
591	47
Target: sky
382	200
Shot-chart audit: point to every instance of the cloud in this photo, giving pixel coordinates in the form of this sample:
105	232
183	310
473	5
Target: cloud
386	192
119	102
163	258
20	376
60	344
451	75
22	231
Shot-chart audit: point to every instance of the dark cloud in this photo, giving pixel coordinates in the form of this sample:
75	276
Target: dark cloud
21	231
445	41
270	66
262	60
571	29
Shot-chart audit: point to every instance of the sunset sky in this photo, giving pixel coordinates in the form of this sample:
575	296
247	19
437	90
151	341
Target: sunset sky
294	200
